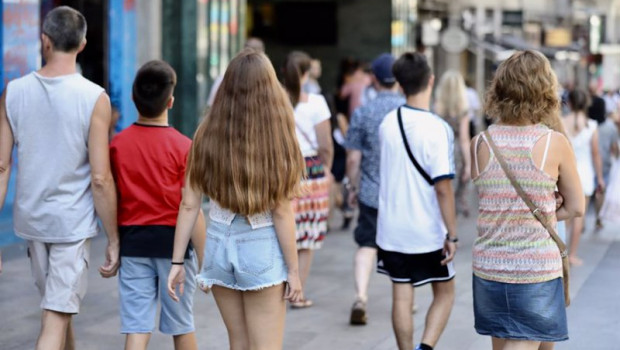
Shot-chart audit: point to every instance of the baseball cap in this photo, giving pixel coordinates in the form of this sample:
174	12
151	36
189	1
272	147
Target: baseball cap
382	68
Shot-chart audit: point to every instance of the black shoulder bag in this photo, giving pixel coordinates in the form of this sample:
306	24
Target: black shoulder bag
413	160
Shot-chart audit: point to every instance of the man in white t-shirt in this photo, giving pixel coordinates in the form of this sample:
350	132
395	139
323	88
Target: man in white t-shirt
416	228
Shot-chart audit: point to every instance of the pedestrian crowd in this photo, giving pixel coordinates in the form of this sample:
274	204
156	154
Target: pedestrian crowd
395	144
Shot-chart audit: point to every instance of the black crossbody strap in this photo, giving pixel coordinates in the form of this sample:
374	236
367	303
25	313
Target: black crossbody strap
413	160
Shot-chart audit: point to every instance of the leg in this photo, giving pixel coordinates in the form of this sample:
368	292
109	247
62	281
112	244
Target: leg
230	304
265	311
576	230
69	339
54	327
185	341
511	344
546	346
439	311
498	343
137	341
364	265
402	321
305	262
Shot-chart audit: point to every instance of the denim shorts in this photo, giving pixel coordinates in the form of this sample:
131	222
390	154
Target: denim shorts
142	281
529	311
242	258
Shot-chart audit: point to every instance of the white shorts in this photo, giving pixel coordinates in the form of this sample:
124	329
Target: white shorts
60	271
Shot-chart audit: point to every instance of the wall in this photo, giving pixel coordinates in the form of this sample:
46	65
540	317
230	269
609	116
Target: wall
364	32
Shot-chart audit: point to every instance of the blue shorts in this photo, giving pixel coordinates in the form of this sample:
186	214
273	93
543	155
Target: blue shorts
144	280
529	311
241	258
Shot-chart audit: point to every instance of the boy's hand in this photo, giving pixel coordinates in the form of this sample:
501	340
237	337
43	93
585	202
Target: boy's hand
449	249
293	292
112	263
176	277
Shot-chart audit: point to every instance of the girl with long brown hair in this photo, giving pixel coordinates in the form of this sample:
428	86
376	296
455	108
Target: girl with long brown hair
245	157
314	135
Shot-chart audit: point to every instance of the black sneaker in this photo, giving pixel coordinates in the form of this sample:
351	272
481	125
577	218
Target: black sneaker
358	314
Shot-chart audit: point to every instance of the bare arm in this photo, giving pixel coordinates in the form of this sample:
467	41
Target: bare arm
284	223
199	236
6	148
186	222
464	140
326	147
569	184
598	162
445	197
104	190
354	159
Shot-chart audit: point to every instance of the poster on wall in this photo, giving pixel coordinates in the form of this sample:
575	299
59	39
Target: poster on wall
20	38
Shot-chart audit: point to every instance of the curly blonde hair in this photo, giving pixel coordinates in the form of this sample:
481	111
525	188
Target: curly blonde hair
524	90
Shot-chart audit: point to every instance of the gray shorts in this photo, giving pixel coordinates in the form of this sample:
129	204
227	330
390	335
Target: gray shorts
60	271
144	281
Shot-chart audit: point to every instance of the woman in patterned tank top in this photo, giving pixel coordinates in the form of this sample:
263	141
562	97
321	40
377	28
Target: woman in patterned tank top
517	285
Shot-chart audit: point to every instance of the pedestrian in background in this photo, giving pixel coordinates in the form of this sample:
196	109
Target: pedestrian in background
517	283
59	123
250	254
148	162
609	151
314	135
583	135
312	86
416	223
363	158
452	105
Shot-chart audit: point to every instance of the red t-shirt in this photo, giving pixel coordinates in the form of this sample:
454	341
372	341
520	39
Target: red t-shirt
148	164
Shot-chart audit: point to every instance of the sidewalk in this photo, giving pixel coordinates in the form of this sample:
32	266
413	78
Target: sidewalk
594	317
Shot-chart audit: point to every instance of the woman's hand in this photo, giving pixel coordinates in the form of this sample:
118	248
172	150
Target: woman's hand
176	277
293	292
466	175
559	200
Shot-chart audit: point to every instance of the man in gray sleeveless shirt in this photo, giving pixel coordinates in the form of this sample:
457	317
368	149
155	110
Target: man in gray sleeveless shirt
58	123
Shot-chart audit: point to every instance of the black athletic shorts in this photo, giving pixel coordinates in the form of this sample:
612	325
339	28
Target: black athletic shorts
416	269
366	231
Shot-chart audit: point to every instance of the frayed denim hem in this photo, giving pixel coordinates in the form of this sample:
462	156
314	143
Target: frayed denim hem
208	283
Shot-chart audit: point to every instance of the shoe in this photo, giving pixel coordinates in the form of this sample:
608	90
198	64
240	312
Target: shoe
304	304
358	314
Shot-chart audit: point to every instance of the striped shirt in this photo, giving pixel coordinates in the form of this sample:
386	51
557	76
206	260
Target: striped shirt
512	245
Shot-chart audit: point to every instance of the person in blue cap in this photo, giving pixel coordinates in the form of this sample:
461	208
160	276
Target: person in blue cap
363	174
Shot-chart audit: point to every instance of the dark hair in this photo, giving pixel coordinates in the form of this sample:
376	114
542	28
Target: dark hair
578	100
297	64
65	27
412	72
153	87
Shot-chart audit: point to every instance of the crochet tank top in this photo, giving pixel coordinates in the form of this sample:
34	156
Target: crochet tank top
512	246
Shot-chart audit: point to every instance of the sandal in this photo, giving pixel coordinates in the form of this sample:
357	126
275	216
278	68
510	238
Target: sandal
303	304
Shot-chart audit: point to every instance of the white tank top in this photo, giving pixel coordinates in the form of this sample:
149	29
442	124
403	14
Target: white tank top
50	120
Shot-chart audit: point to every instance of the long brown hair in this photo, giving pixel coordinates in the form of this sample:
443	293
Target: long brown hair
296	65
245	153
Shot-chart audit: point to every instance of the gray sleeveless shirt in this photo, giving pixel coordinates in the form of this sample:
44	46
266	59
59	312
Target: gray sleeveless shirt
50	120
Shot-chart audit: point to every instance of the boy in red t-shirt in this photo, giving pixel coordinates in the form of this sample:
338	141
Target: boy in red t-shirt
148	163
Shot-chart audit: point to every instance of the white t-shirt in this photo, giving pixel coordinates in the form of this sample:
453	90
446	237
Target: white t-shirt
307	115
409	219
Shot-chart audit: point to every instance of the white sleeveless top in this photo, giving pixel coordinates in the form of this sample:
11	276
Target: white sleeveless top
582	145
50	120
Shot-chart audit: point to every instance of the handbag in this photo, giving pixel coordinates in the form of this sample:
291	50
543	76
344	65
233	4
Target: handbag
411	157
537	214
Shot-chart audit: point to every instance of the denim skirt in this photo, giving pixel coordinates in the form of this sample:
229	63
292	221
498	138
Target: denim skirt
529	311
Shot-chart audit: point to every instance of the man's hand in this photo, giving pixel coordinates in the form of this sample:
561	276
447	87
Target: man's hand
352	199
112	262
449	249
